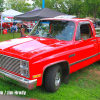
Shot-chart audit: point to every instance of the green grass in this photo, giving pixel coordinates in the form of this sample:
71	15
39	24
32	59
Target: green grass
9	35
83	84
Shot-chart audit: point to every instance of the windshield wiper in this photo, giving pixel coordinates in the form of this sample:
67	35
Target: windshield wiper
34	35
51	37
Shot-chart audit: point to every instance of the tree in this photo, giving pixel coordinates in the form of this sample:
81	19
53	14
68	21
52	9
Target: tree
51	4
80	8
92	6
71	7
19	5
1	5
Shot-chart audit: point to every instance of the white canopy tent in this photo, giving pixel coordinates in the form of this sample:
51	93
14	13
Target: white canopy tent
9	13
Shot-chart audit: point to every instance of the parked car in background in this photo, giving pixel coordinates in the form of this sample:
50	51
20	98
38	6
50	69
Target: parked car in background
29	24
98	23
6	24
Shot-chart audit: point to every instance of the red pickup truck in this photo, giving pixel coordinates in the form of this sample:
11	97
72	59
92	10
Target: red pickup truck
55	48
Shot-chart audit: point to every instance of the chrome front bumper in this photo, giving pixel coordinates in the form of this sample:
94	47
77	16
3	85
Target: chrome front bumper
29	84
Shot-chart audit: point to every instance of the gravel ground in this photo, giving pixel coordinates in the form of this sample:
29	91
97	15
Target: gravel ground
8	97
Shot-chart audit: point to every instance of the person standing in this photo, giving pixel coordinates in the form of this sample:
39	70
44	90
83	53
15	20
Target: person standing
22	29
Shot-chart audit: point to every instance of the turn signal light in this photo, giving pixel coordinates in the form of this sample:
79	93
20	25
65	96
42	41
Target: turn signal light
36	76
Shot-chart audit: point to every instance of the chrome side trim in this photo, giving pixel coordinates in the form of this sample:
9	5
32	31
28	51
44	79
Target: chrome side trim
84	59
71	55
30	84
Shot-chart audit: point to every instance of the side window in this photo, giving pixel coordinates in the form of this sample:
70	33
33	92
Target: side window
84	31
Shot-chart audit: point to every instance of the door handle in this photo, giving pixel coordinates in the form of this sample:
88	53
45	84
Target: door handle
80	40
93	40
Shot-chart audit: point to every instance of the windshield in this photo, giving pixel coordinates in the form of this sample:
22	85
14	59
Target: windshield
62	30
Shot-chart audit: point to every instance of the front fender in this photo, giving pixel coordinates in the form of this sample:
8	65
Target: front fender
53	63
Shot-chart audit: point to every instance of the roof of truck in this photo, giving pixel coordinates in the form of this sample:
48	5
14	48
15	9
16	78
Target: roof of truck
68	19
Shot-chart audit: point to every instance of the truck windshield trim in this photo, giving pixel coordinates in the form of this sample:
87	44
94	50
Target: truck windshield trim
57	29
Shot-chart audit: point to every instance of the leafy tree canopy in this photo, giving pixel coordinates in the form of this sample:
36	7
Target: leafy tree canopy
1	5
80	8
18	5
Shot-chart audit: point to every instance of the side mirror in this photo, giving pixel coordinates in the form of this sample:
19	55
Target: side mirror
77	38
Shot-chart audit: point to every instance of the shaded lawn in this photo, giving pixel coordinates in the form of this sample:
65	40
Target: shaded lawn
83	84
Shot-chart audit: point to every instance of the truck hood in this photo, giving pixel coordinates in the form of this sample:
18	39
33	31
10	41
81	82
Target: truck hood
29	46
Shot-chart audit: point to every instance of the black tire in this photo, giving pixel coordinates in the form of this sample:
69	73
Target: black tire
53	78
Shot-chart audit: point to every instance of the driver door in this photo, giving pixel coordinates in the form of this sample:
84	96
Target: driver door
86	46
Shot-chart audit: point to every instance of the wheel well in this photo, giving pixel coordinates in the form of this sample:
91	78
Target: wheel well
65	71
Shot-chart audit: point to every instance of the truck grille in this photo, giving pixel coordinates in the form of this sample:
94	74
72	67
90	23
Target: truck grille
10	63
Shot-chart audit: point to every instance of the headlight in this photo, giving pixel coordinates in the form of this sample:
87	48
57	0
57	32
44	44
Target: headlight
25	64
25	73
24	68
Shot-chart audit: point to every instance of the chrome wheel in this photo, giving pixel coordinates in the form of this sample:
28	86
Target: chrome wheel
53	78
57	79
